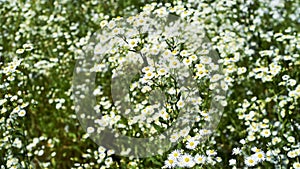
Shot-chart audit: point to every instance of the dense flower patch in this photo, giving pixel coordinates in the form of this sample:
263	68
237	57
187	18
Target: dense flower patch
257	43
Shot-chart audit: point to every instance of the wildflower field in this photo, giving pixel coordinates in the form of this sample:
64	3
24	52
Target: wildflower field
149	84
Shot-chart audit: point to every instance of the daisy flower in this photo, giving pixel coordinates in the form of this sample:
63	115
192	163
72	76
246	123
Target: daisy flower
211	152
204	132
20	51
250	161
170	163
266	133
28	47
184	53
149	75
90	130
175	154
192	144
186	160
296	165
174	137
259	156
206	60
22	113
232	162
180	104
199	159
111	24
193	57
174	52
184	132
291	139
117	31
147	69
133	43
103	23
236	151
187	61
175	63
161	71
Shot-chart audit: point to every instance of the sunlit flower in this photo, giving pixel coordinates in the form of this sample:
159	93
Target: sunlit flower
90	130
20	51
296	165
266	133
250	161
170	163
186	160
192	144
199	159
22	113
133	43
236	151
232	162
211	152
259	156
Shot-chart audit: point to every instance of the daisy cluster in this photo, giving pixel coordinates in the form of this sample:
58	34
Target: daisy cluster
260	60
258	67
38	43
165	53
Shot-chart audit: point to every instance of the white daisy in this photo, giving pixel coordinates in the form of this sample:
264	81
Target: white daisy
90	130
204	132
187	61
192	144
216	77
236	151
184	53
28	47
103	23
250	161
201	73
133	43
170	163
193	57
211	152
184	132
20	51
291	139
162	71
199	159
117	31
232	162
206	60
174	137
296	165
186	160
149	75
175	154
22	113
180	104
174	52
111	24
291	154
175	63
266	133
259	156
147	69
